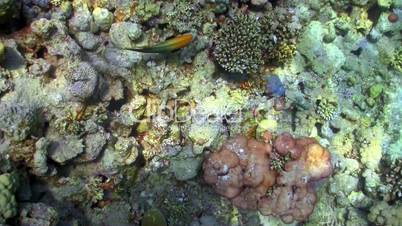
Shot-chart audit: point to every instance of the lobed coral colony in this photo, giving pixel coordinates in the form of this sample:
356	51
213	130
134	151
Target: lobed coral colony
243	171
200	112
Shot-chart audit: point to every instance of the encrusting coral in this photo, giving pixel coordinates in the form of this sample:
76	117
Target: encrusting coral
241	171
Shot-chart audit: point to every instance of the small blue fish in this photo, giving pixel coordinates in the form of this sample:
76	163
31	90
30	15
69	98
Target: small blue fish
274	86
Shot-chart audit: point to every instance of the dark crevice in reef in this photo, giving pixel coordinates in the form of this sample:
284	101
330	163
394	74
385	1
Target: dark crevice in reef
374	13
357	52
14	24
293	112
319	126
274	2
115	105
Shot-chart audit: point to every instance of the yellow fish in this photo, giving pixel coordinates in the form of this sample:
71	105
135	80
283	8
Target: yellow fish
167	46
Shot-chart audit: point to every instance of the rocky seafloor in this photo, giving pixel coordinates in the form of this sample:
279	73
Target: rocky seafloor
200	112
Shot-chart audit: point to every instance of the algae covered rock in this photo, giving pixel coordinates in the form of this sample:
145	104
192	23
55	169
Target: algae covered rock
88	40
65	148
123	152
18	120
124	34
323	57
94	144
383	214
38	214
117	213
8	204
122	58
371	150
103	18
40	166
84	81
147	9
343	184
153	217
81	20
185	166
43	28
203	135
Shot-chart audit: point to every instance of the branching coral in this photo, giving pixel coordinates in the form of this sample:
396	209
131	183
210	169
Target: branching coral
326	109
281	30
396	62
243	42
239	44
241	171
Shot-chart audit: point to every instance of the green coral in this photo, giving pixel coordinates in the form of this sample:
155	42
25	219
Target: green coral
361	20
153	217
278	162
371	147
280	31
186	15
325	212
324	58
185	166
376	90
343	143
147	9
56	2
238	45
326	109
384	214
396	61
8	204
93	190
395	149
283	52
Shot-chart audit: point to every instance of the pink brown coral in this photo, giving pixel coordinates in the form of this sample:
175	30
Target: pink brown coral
241	171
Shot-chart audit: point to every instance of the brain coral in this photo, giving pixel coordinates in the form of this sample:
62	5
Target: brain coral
241	171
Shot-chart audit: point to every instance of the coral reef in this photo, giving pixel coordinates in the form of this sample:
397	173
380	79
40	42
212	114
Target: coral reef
391	177
100	130
238	45
382	214
38	214
239	172
280	28
9	10
8	203
19	120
